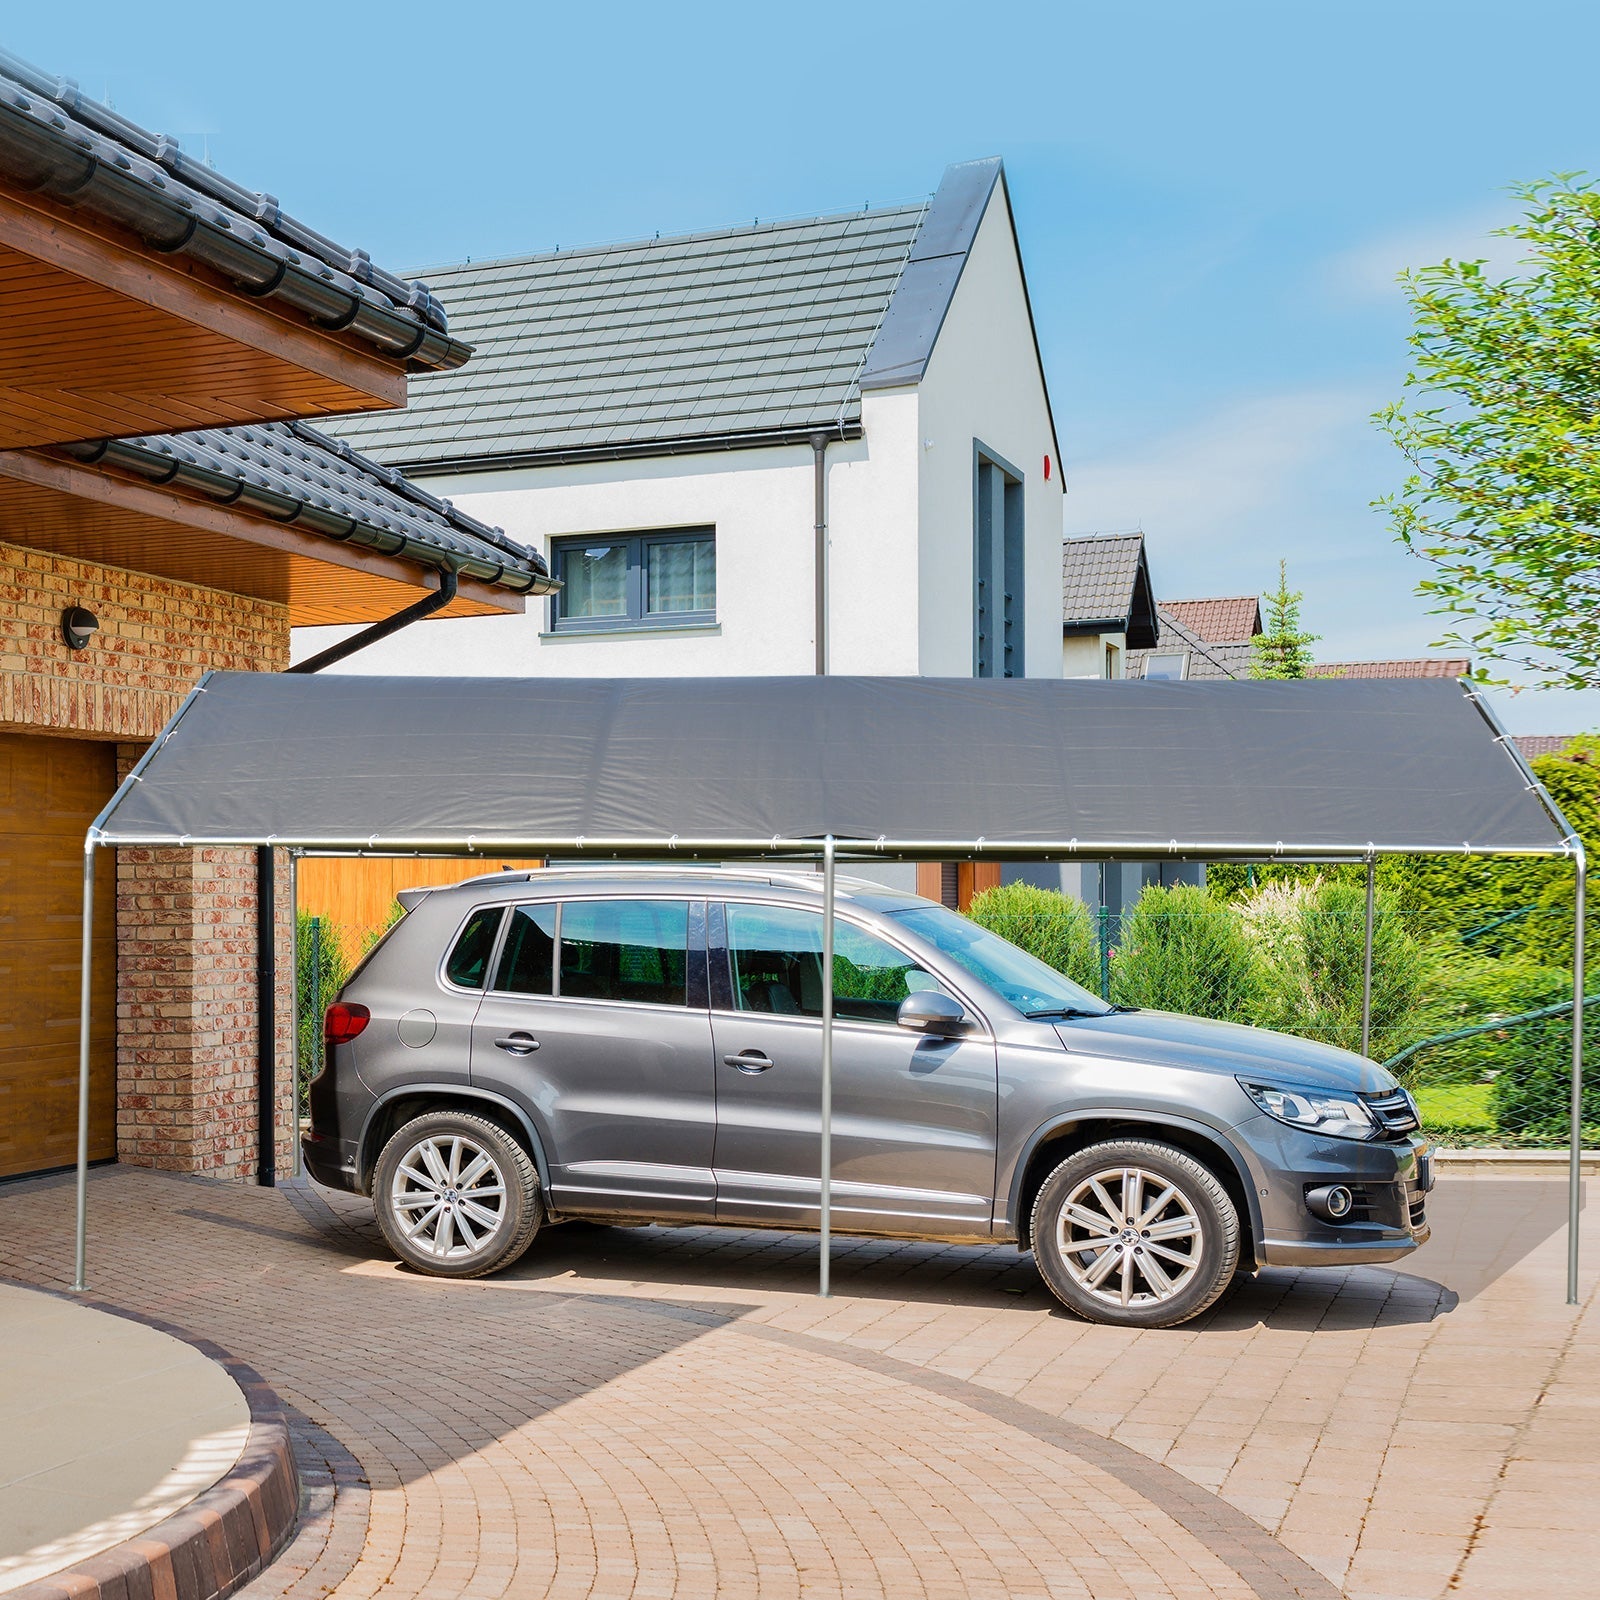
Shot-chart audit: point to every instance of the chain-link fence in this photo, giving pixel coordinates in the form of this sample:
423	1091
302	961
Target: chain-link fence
1472	1011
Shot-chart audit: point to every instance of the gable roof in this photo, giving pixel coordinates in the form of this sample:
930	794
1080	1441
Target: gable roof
1105	588
765	334
1415	667
56	142
291	473
1226	620
1206	660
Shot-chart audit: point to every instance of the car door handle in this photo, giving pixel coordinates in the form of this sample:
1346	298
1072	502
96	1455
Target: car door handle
751	1061
518	1044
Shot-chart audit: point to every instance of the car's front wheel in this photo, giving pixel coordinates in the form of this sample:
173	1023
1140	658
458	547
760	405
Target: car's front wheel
456	1195
1135	1232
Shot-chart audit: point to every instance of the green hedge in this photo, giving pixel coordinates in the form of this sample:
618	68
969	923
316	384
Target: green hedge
1047	924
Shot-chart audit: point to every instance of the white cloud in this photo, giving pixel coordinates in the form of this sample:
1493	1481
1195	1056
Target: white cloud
1367	271
1200	484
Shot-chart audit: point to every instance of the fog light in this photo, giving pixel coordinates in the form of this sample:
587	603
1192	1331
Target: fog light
1332	1202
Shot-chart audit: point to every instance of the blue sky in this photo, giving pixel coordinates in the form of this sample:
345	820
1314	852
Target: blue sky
1213	199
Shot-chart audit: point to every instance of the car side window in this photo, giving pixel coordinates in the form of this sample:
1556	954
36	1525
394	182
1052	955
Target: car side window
469	959
775	964
634	950
527	962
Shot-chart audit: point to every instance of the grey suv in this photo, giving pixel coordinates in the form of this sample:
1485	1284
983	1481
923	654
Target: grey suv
644	1044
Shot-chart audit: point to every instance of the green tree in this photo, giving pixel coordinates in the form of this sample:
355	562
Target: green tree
1282	651
1503	436
1184	950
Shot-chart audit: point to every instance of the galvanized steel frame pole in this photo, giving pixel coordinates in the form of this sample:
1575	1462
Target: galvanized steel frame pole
1575	1154
1366	959
85	997
825	1143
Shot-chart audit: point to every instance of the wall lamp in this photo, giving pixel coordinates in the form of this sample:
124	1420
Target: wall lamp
78	627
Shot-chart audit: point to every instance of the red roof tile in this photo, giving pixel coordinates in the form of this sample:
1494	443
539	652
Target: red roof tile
1228	620
1416	667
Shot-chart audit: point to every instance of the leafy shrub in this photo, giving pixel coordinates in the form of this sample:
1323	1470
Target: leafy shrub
1184	950
317	983
1532	1101
1047	924
1311	937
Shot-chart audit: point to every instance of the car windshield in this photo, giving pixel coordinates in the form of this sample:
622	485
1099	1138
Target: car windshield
1026	982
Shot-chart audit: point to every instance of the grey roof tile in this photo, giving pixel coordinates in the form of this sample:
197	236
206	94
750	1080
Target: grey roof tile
1105	586
702	337
294	474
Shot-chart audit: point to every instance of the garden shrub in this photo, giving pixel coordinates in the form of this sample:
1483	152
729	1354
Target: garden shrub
1311	938
316	990
1047	924
1532	1099
1182	949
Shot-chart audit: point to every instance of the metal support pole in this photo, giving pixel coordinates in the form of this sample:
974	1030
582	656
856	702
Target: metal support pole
266	1017
825	1152
85	1023
1366	959
1575	1157
1104	935
819	534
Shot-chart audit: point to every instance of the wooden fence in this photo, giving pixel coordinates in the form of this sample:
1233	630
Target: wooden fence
357	893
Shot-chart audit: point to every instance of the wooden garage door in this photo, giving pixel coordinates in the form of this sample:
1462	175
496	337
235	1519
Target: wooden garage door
50	791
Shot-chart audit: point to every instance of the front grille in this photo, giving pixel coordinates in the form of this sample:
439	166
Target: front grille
1396	1112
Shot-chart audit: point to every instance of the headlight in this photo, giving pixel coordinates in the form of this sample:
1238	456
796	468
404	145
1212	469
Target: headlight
1341	1116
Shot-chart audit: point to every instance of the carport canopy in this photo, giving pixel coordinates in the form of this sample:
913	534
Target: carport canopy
885	768
902	767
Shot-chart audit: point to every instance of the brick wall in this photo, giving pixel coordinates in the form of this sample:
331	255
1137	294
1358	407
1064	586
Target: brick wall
186	939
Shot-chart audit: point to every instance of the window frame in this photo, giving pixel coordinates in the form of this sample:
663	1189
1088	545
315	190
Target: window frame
696	996
637	618
1180	656
725	1001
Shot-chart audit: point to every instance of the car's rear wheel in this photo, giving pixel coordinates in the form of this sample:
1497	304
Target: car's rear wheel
1136	1233
456	1195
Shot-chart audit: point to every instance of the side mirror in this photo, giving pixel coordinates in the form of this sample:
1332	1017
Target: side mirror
928	1011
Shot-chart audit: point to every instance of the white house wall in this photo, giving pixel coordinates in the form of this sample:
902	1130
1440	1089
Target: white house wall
759	501
874	581
983	382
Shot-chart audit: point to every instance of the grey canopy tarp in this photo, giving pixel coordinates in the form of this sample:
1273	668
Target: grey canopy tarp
1127	767
896	768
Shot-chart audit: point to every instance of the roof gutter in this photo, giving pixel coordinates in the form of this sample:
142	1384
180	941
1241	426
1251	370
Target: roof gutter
45	150
425	607
127	456
705	444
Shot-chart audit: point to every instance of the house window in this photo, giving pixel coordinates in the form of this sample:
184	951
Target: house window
998	570
635	580
1167	666
1111	662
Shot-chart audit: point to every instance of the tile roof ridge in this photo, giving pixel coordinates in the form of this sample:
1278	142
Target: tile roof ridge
751	229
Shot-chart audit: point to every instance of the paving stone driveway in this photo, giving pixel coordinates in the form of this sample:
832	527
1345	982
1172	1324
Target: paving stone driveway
651	1413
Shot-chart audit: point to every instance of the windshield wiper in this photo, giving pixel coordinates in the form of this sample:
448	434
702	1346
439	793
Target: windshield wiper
1066	1011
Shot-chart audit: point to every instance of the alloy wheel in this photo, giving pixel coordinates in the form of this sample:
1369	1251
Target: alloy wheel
1130	1237
448	1196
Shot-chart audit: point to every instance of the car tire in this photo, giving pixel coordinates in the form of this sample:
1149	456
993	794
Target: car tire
456	1195
1155	1265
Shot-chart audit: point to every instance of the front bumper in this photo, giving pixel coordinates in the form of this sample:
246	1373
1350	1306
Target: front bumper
1390	1180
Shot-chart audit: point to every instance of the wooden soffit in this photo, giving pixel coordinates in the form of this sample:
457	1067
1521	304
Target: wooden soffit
77	512
101	338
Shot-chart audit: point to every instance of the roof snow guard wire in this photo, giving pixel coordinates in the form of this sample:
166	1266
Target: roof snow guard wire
56	142
295	475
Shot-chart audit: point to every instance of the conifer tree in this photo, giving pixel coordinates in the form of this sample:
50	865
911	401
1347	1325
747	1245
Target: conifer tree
1282	651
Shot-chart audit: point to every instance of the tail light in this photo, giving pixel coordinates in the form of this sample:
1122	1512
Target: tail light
343	1022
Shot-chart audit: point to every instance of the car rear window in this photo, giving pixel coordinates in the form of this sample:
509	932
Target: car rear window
626	950
470	958
527	963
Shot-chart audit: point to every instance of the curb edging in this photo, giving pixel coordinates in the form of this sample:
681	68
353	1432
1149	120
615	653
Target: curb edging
227	1535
